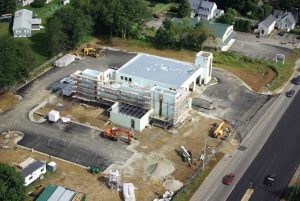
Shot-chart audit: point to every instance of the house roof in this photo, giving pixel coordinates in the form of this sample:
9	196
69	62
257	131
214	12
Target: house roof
45	195
288	17
31	168
206	4
269	21
158	69
279	14
22	19
218	29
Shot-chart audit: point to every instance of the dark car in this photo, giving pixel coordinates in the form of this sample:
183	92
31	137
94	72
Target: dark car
228	179
290	93
269	180
296	80
281	33
298	37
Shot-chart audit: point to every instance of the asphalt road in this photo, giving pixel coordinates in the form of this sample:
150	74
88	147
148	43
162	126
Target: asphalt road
212	188
279	156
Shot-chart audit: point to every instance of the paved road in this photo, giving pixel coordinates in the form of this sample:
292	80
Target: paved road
279	156
212	188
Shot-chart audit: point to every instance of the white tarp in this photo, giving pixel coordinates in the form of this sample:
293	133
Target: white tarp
65	60
128	192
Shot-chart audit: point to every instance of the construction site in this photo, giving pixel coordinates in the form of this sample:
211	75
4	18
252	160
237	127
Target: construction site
131	119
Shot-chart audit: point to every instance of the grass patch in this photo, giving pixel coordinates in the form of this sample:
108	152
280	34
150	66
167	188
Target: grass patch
46	11
4	29
37	44
160	8
285	70
188	190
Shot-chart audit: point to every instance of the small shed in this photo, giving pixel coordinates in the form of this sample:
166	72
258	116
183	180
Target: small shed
51	166
53	115
32	172
65	60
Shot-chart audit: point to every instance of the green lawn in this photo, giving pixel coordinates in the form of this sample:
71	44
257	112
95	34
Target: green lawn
4	29
45	11
160	7
37	44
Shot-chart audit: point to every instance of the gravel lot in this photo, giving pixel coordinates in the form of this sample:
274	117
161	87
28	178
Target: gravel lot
264	48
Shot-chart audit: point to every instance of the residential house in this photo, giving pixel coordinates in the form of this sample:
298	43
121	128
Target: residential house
64	2
267	26
24	23
33	171
224	35
203	9
284	20
24	2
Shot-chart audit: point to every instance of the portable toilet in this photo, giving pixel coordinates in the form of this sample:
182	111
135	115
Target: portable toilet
51	166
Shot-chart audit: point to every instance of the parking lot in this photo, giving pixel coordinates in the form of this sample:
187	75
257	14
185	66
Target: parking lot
233	101
264	48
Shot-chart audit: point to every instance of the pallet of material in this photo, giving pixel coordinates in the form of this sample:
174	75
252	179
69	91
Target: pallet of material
79	197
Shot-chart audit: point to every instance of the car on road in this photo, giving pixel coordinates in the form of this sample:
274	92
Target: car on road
228	179
290	93
296	80
270	179
281	33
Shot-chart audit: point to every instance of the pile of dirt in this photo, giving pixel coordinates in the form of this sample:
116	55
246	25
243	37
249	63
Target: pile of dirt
172	185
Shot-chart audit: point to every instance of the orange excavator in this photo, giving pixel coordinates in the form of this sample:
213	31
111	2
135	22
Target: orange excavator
114	133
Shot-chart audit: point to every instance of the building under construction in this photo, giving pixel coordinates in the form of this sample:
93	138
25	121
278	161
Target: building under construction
146	90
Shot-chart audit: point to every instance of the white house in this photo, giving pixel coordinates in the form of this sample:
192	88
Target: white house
24	23
203	9
267	26
32	172
284	20
64	2
24	2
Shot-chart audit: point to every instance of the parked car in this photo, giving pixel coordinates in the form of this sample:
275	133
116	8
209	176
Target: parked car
281	33
228	179
269	180
298	37
296	80
290	93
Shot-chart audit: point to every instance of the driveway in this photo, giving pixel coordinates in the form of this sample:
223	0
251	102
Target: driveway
264	48
233	101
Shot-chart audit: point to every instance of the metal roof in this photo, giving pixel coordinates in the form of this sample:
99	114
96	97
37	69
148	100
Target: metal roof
269	20
22	19
45	195
67	196
158	69
57	194
31	168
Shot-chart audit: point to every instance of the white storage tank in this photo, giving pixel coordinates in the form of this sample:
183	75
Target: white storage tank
53	115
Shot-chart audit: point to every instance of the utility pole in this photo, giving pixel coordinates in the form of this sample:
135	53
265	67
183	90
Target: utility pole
204	154
49	149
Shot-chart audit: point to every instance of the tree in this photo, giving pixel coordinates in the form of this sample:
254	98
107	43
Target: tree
7	6
195	38
228	18
38	3
184	9
14	61
242	25
11	184
66	28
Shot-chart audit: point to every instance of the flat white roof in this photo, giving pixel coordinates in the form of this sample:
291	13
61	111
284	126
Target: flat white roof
91	73
159	69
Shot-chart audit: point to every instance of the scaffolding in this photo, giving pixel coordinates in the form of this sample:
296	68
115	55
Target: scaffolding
91	89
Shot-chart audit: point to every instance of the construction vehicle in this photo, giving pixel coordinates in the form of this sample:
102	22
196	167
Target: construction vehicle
91	51
114	133
218	133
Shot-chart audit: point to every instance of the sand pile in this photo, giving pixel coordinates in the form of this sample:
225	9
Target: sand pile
172	185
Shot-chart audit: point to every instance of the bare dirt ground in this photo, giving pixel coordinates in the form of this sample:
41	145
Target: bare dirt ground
7	101
82	113
257	81
155	161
